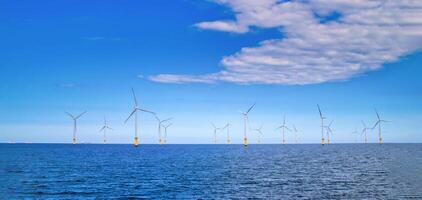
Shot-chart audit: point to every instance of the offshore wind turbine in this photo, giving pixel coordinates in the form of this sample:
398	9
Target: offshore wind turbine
165	132
227	126
364	131
246	123
259	130
74	124
283	127
215	132
355	132
379	121
135	111
329	131
160	122
322	125
104	130
296	131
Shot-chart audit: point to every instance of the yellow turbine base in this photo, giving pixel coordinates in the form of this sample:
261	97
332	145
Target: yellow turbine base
74	141
322	141
136	142
328	141
245	142
228	141
381	141
160	141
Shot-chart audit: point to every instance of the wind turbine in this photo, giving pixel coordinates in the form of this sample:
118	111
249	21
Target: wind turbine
283	127
355	132
228	132
135	112
379	121
246	122
165	132
259	130
74	124
215	132
296	131
364	130
329	131
322	125
160	122
104	129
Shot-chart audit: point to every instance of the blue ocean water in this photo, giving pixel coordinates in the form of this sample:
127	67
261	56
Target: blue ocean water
337	171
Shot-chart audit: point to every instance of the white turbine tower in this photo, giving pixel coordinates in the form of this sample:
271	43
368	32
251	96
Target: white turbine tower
135	112
227	127
329	131
379	121
215	132
322	125
160	122
74	124
104	130
283	127
364	131
246	123
259	130
165	132
296	131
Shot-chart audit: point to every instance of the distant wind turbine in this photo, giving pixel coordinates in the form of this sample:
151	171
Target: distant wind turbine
355	132
329	131
296	131
379	121
104	130
259	130
322	125
246	123
160	122
215	132
364	131
283	127
165	132
135	112
227	126
74	124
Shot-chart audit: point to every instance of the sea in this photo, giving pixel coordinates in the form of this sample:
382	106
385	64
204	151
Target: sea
266	171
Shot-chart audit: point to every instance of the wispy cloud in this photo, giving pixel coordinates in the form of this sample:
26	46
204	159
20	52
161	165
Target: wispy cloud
366	35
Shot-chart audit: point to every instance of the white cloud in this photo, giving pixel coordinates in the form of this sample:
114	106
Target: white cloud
367	34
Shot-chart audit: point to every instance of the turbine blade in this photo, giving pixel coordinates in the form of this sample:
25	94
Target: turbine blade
378	116
250	108
143	110
363	123
320	113
134	98
102	128
70	115
156	117
80	115
330	123
167	119
131	115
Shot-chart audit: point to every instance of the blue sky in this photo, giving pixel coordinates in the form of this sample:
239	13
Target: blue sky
187	60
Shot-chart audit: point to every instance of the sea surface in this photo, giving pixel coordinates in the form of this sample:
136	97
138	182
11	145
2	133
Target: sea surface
337	171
